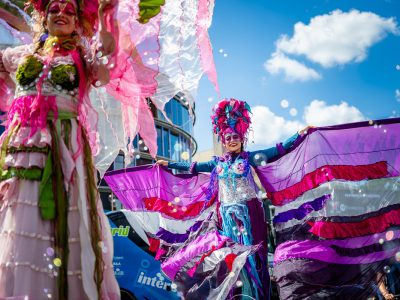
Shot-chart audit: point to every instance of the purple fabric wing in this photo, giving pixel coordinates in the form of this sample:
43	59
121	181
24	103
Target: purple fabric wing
337	197
133	186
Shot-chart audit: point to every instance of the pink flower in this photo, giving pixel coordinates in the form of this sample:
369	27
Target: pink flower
238	168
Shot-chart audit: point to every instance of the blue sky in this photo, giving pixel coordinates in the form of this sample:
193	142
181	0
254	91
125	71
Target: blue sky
338	64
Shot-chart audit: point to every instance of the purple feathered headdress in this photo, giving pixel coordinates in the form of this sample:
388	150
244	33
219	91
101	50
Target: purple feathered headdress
231	115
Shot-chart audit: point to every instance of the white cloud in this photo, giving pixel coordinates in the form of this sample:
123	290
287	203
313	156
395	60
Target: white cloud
269	128
397	93
337	38
293	70
318	113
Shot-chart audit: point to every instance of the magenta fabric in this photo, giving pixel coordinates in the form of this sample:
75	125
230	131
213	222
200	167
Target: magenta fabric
206	51
323	251
350	243
175	210
5	90
134	185
201	245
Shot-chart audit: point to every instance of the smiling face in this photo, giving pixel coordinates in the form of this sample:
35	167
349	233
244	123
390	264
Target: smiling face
233	142
61	18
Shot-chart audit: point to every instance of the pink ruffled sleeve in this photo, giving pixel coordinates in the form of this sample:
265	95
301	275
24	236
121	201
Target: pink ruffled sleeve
11	57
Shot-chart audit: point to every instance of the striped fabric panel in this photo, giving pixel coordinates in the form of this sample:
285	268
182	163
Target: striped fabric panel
356	145
338	216
304	210
175	210
153	222
325	174
349	201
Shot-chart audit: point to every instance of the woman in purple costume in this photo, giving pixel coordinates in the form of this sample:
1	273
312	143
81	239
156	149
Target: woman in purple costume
240	209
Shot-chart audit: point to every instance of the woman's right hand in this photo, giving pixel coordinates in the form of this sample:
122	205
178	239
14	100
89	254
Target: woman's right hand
388	296
162	162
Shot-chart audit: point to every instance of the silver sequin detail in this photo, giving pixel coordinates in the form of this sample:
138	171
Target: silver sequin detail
235	190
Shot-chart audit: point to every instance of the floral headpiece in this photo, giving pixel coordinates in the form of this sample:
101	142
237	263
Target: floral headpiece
86	9
231	115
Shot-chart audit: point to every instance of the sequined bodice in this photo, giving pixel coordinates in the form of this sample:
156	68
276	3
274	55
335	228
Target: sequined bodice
235	181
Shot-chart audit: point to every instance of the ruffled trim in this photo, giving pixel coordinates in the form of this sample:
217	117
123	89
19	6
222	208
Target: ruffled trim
41	138
35	204
36	268
26	160
35	235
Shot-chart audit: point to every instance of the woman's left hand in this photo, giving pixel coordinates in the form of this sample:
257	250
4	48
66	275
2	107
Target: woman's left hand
305	130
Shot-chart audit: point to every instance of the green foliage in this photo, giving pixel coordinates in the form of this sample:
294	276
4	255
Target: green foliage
149	9
28	71
65	76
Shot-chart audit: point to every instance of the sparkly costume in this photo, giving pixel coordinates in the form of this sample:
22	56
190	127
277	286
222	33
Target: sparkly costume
241	213
55	240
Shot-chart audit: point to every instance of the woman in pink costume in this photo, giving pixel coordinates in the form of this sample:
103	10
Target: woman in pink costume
55	240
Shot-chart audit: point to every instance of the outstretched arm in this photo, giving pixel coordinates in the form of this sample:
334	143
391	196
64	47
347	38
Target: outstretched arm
279	149
194	167
106	46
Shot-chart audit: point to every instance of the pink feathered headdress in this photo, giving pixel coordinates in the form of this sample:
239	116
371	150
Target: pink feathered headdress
231	115
87	12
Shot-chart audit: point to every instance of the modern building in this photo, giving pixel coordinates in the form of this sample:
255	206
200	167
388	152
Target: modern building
174	140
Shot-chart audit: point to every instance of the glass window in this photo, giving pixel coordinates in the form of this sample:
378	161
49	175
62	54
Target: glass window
178	112
135	141
166	149
185	117
187	145
119	162
161	116
168	109
159	141
176	147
